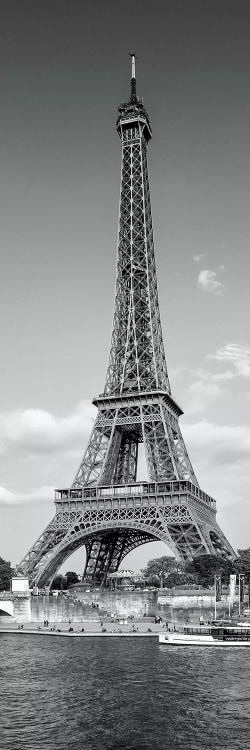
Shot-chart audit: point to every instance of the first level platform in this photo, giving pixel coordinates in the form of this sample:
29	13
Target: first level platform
76	498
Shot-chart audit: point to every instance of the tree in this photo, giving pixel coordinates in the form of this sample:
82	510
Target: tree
156	569
71	578
165	571
204	567
242	564
168	572
6	573
59	583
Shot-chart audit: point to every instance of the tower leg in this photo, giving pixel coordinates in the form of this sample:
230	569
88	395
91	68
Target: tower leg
166	452
109	549
126	467
99	461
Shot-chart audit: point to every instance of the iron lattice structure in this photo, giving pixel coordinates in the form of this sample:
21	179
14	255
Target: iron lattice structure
106	509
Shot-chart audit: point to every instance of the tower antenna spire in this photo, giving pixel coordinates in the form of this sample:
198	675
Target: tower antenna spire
133	96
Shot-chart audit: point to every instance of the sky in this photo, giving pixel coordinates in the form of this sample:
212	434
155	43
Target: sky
64	69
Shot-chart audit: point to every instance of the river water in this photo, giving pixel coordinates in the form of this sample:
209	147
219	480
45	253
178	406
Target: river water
121	694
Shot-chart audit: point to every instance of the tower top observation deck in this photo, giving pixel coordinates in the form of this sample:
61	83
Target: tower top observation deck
133	110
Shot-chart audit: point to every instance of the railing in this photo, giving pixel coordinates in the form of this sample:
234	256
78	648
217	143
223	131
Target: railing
131	490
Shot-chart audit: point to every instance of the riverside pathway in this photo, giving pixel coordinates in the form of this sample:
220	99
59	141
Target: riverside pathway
93	628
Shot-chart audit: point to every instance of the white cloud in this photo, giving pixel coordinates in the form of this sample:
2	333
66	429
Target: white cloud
37	431
175	372
200	394
43	494
238	355
208	282
212	377
197	258
219	440
226	375
221	458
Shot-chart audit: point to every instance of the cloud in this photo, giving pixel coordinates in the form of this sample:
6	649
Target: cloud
226	375
200	394
197	258
43	494
36	431
208	282
176	372
221	458
206	383
220	441
238	355
213	377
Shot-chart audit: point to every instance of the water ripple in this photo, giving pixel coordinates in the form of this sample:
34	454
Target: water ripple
121	694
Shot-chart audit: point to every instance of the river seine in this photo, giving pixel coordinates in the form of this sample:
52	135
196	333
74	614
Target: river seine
121	694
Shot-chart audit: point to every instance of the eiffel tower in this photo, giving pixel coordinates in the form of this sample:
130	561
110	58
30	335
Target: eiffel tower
106	509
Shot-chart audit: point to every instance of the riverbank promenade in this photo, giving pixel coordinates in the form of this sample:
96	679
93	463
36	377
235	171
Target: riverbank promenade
91	628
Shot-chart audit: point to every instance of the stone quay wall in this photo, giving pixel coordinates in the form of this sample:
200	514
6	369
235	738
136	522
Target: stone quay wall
182	605
120	603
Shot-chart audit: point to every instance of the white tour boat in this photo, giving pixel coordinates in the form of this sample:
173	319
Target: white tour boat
214	635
